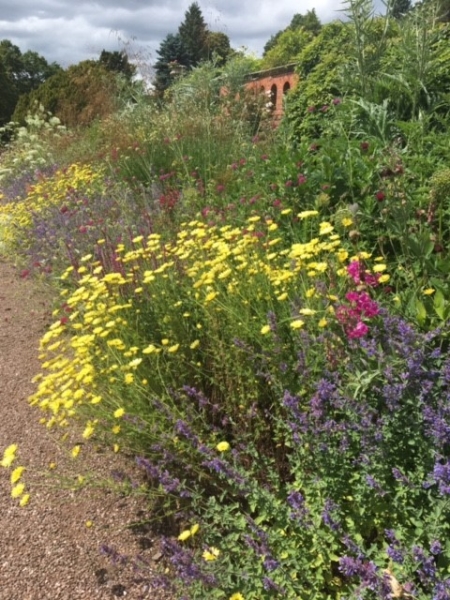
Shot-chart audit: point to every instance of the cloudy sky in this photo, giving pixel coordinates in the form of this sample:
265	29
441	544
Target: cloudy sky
68	31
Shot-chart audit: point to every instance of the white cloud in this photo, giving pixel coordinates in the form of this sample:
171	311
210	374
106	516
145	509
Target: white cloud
68	32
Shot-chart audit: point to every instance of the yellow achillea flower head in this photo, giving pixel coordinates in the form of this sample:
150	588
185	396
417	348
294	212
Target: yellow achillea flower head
379	268
17	474
428	291
9	456
24	500
325	228
119	413
75	451
18	490
265	329
211	554
297	324
195	528
237	596
222	446
184	535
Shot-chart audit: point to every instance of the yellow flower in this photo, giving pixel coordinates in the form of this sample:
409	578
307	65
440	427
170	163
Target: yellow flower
307	311
17	474
323	323
184	535
307	213
149	349
222	446
195	344
173	348
9	456
17	490
210	296
325	228
347	222
297	324
384	278
195	528
379	268
428	291
89	524
237	596
75	451
129	378
88	431
265	329
211	554
24	500
119	412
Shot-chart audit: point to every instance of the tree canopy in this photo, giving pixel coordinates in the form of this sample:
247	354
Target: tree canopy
77	95
193	34
118	62
309	22
20	73
192	44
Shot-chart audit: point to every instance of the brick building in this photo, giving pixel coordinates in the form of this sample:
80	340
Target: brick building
274	84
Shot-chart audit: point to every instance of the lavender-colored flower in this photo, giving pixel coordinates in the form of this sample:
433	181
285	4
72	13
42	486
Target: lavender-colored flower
270	585
442	590
328	518
441	475
395	554
270	564
436	547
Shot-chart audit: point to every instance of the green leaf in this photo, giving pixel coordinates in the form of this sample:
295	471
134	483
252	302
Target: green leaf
421	312
439	304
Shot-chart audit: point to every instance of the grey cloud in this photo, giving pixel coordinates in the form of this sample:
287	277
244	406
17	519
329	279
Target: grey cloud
68	32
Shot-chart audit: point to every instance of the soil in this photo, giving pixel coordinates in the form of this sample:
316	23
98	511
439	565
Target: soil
52	548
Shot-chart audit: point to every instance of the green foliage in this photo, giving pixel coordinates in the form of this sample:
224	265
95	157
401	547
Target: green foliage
185	50
308	22
319	68
118	62
400	8
173	59
263	320
288	47
30	146
20	74
77	95
194	34
218	47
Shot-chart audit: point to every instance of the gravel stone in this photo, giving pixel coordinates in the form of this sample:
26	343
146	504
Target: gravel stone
47	552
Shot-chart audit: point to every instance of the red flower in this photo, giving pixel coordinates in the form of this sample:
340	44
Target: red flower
380	195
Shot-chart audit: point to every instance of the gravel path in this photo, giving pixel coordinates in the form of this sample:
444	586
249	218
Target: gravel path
47	551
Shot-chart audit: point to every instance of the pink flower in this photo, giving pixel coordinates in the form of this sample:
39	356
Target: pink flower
354	270
359	331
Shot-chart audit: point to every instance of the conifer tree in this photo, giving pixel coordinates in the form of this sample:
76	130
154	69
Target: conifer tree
194	33
171	53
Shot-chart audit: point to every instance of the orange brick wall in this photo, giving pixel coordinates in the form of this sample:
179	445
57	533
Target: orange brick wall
274	87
